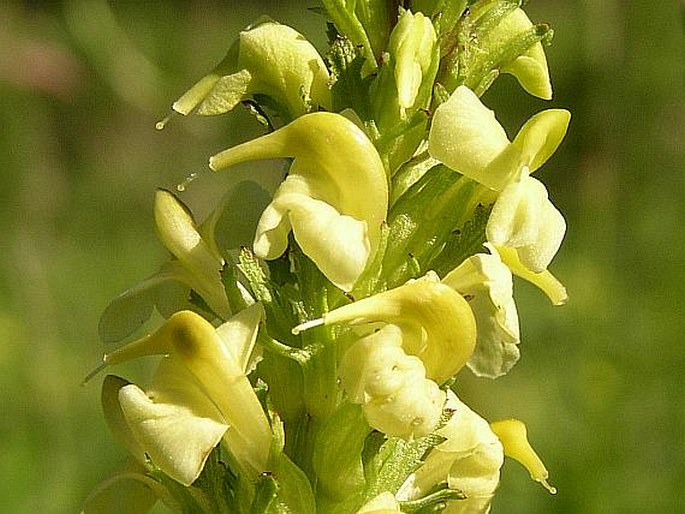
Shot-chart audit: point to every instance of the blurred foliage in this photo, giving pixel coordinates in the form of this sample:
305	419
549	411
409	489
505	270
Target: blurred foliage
82	84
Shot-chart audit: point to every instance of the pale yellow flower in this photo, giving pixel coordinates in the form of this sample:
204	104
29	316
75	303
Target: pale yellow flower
299	81
466	137
334	199
200	396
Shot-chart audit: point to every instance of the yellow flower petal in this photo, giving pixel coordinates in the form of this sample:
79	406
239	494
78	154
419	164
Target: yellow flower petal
299	82
466	137
545	281
178	426
514	437
487	284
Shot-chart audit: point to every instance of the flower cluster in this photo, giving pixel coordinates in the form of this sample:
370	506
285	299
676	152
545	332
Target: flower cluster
310	370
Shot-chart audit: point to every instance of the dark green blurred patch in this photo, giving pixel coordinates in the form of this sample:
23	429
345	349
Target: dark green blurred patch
599	384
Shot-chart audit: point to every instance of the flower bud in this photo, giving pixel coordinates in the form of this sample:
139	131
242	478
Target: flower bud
412	44
179	233
412	411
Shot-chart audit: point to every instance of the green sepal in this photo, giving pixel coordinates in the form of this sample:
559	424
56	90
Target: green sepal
233	223
336	459
474	61
377	17
129	490
222	487
188	499
434	502
393	461
286	386
462	242
350	88
269	294
164	291
343	15
423	219
284	489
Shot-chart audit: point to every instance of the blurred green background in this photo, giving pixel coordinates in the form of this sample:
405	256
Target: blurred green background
600	384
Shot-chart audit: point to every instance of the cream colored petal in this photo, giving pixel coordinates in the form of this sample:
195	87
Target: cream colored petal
376	365
177	426
301	75
239	334
545	281
412	411
466	137
540	137
469	459
537	256
299	82
515	217
487	284
227	92
339	245
192	340
271	236
523	218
